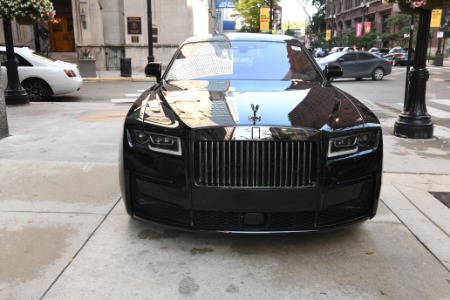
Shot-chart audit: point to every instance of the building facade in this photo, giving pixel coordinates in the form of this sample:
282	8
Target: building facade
342	17
108	30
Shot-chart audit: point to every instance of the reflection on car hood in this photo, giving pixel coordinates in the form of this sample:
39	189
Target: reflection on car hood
202	103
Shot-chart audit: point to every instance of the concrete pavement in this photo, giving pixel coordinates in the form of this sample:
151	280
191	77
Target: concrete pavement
64	233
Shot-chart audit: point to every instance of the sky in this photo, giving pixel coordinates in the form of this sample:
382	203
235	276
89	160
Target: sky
293	11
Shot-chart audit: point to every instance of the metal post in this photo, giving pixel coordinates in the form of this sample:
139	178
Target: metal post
271	15
14	92
37	42
150	57
414	121
408	65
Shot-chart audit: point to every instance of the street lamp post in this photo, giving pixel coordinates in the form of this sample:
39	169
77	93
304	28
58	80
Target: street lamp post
332	19
14	92
414	121
150	57
364	11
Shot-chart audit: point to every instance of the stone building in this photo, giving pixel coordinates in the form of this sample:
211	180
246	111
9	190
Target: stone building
107	30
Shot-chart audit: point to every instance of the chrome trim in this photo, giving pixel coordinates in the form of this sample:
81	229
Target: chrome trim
255	163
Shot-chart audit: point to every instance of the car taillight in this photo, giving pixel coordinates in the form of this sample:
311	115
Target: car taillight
70	73
400	54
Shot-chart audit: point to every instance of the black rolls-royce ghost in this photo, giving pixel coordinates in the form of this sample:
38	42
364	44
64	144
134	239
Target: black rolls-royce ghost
244	133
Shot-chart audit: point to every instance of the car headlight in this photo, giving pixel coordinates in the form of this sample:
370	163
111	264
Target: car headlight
351	144
155	141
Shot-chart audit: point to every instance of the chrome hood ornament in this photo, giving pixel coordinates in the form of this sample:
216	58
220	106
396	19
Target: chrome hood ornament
254	118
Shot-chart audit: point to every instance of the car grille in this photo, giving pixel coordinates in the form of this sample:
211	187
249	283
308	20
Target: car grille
255	163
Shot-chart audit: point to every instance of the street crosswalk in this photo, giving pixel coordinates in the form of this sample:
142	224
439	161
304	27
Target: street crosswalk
129	98
436	108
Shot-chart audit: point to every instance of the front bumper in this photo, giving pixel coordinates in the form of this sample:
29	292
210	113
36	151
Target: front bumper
244	210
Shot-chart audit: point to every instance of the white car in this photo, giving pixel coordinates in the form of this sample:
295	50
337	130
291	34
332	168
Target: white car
42	76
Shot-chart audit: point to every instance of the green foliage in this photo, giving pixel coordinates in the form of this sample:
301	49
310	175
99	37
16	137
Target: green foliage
289	32
248	10
400	24
37	10
411	7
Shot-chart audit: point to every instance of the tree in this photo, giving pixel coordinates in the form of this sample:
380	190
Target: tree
317	24
248	10
400	24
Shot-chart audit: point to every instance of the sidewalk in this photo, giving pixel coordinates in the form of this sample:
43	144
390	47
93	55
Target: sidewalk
64	233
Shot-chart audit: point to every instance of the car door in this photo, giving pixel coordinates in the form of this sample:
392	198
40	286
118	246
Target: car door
348	64
365	63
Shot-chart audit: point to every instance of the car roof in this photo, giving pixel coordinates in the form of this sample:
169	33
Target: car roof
240	36
18	49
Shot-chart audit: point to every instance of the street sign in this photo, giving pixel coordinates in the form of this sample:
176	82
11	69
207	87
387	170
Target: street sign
436	15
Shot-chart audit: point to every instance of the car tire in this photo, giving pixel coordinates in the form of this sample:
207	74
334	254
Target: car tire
378	74
37	89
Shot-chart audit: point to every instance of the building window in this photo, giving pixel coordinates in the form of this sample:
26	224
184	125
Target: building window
384	26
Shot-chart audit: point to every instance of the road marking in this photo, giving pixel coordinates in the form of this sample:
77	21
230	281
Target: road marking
438	113
445	102
123	100
131	97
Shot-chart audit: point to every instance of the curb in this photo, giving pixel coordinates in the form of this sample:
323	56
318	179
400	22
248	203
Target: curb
98	79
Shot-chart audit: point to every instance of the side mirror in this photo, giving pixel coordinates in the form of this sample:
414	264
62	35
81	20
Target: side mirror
333	70
153	69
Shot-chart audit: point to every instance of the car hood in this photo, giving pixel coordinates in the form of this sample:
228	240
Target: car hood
203	103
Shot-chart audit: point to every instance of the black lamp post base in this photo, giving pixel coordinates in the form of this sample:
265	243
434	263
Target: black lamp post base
414	128
17	97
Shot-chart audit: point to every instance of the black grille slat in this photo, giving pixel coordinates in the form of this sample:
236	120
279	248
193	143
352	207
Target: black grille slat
255	163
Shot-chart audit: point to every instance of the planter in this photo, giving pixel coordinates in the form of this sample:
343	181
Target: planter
26	20
87	67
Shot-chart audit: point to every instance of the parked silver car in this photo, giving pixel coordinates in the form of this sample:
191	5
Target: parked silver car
358	64
399	56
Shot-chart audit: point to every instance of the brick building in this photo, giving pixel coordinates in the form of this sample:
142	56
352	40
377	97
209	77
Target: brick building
342	17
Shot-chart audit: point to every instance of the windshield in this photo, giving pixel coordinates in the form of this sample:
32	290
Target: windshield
43	57
244	60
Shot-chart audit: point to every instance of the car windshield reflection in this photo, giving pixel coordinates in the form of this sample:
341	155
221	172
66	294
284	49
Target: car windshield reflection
240	60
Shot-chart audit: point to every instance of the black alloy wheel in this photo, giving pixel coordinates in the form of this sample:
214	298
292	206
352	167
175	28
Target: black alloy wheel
37	89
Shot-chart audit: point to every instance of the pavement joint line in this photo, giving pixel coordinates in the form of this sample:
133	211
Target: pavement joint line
429	235
81	248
